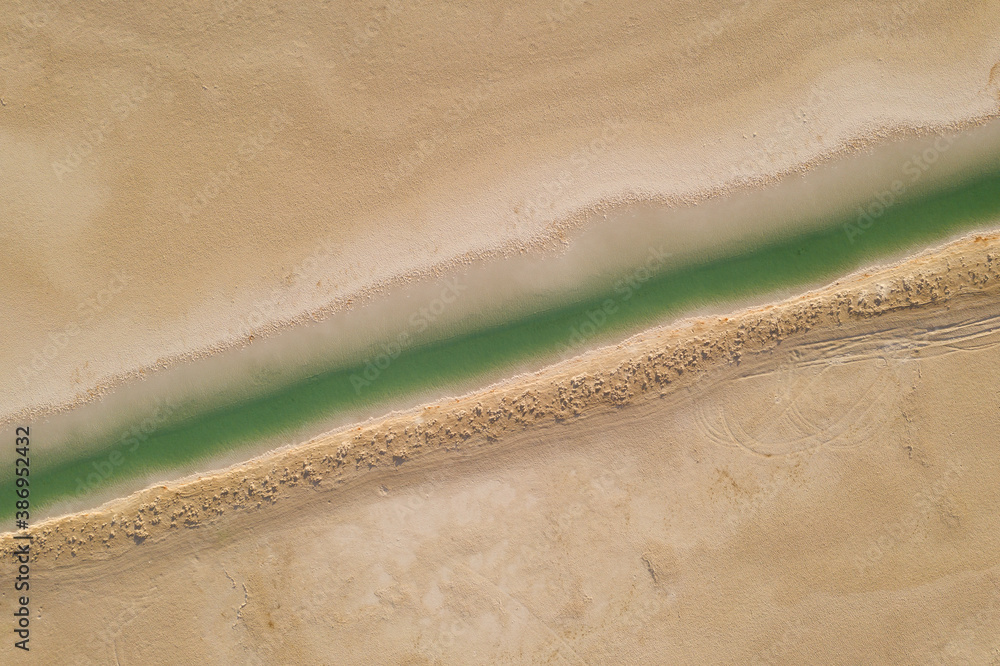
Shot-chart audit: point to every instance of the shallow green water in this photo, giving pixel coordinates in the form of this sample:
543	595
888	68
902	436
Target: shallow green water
484	354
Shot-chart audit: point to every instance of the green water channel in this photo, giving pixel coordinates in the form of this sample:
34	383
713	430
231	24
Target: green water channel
485	354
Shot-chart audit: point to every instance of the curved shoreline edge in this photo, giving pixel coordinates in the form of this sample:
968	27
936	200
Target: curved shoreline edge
645	367
182	436
549	240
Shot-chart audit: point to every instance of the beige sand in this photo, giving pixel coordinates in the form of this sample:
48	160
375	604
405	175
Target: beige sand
810	480
494	291
167	168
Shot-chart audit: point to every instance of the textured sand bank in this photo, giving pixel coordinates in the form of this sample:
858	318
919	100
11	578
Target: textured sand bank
646	367
174	190
615	252
728	491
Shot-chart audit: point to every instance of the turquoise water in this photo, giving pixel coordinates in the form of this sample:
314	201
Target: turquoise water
488	353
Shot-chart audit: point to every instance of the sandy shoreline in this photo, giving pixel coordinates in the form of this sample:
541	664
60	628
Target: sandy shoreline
846	470
648	366
95	430
219	215
197	292
554	239
830	498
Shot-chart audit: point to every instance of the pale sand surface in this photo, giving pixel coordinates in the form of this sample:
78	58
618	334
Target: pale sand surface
202	155
829	497
493	291
812	480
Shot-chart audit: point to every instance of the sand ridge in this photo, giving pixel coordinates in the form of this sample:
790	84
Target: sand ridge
645	367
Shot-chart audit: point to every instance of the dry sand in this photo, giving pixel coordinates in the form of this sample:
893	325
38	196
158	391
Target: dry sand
180	177
812	480
808	481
